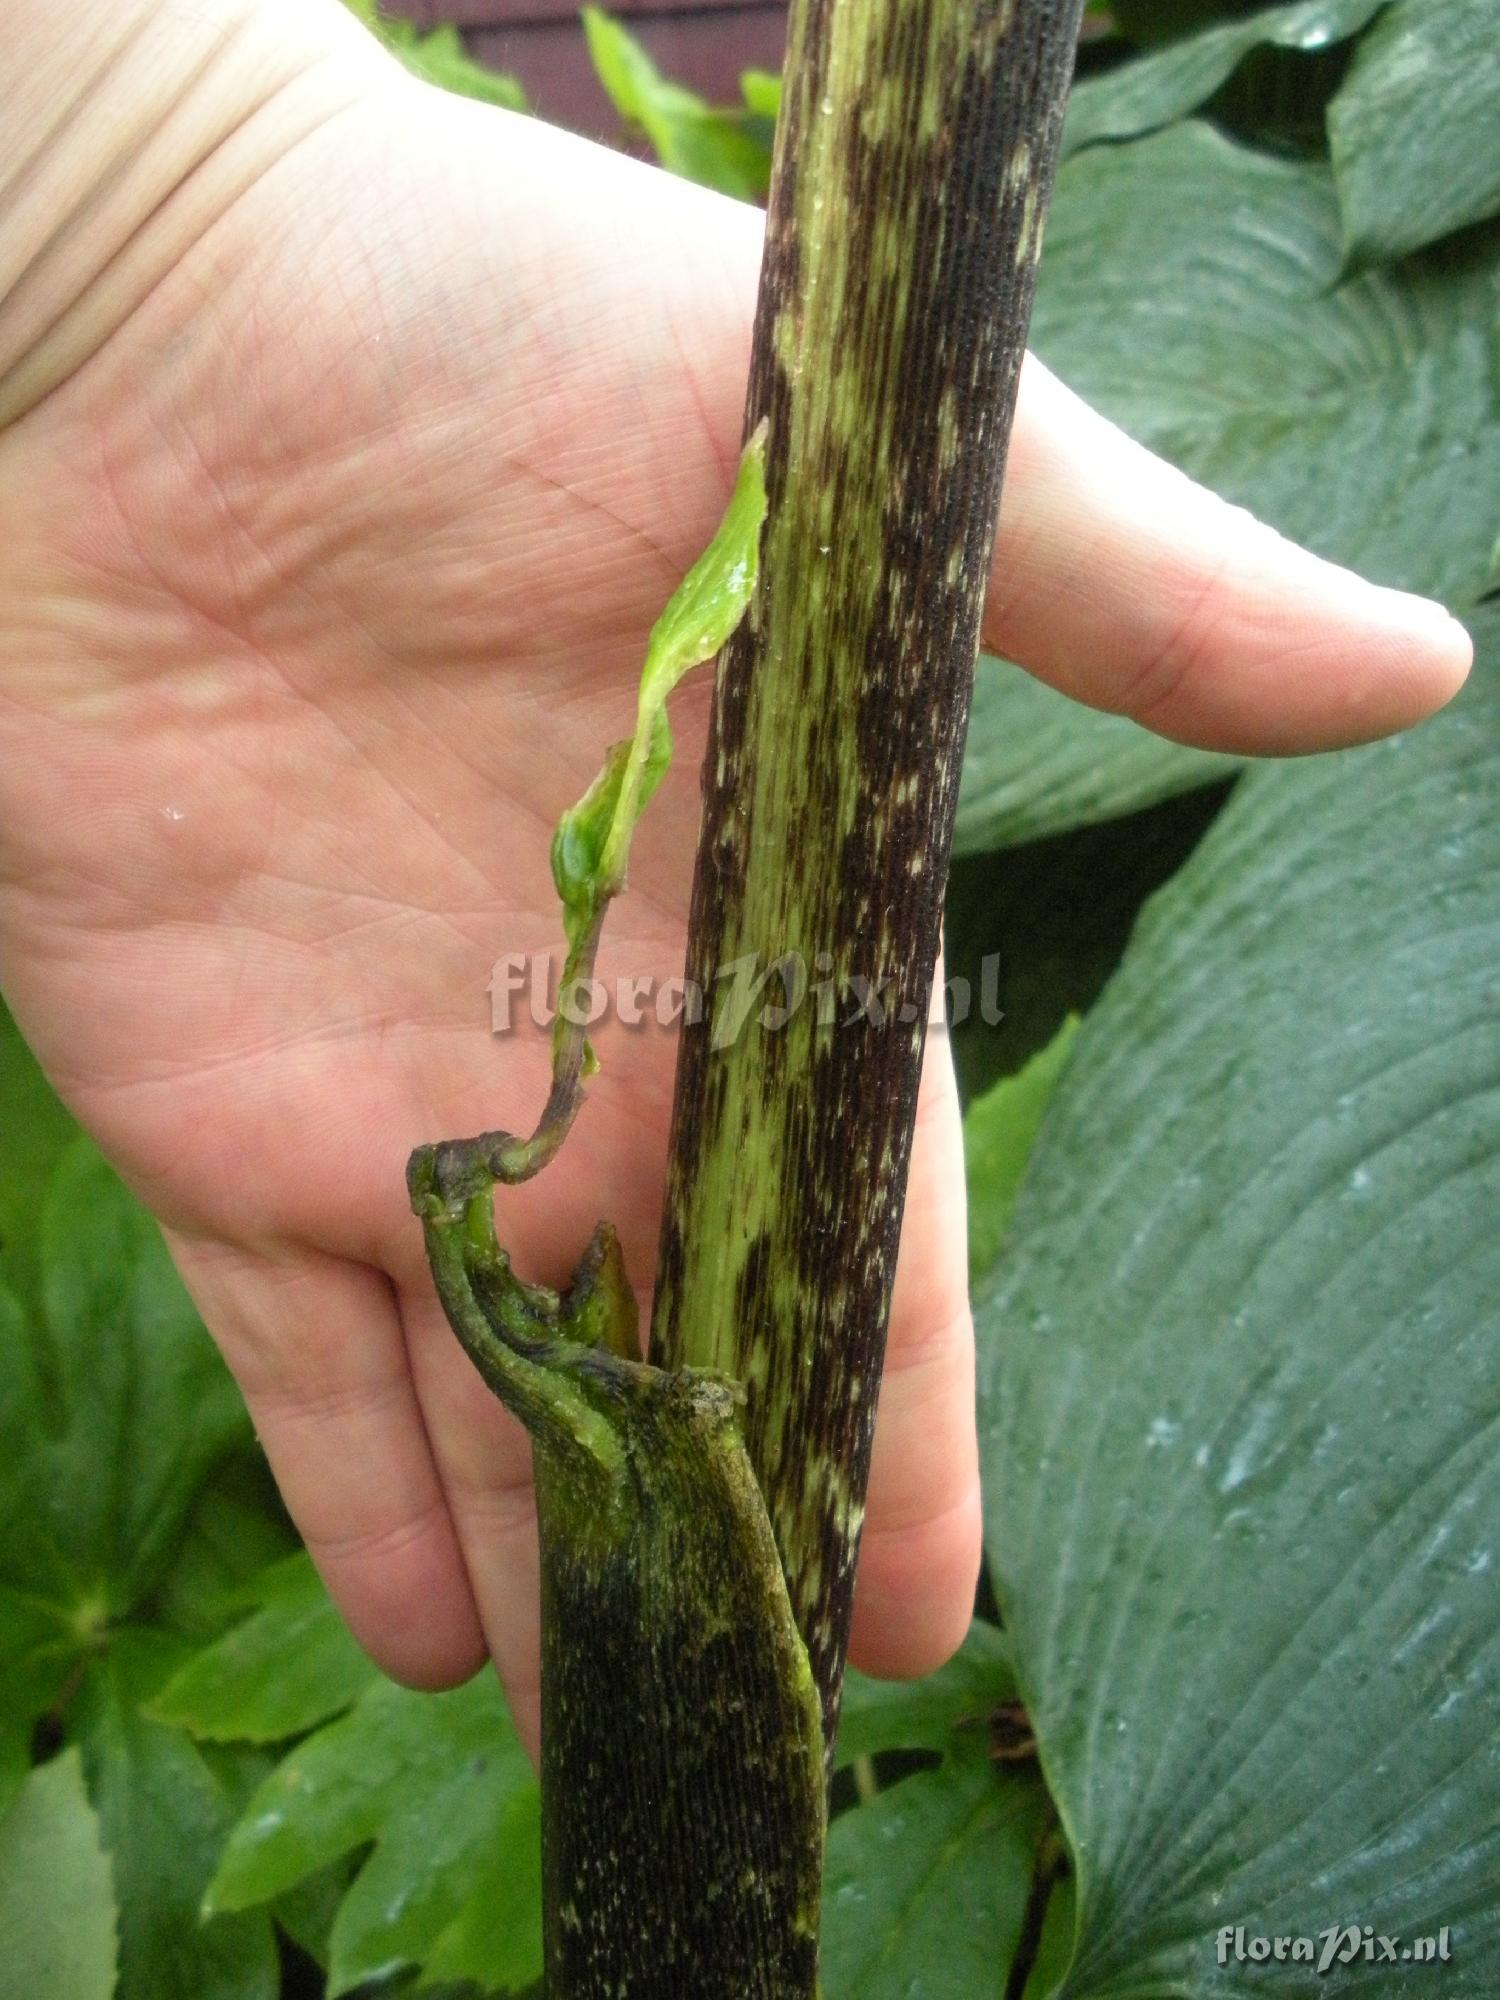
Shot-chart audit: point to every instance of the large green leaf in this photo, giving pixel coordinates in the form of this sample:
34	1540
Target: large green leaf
236	1528
1241	1386
113	1405
1415	130
165	1813
1190	288
1038	763
441	1785
1140	96
39	1648
57	1904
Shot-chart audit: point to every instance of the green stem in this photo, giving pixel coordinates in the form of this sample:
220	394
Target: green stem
913	165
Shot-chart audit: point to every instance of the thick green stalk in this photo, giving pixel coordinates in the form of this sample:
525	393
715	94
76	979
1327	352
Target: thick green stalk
699	1514
913	166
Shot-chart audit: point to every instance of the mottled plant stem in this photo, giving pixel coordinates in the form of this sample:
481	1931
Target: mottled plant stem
913	167
699	1513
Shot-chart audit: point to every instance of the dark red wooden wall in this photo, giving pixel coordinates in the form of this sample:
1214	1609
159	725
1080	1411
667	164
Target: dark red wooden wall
704	43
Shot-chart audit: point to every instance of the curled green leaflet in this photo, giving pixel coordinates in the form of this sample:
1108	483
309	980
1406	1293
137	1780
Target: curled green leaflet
591	848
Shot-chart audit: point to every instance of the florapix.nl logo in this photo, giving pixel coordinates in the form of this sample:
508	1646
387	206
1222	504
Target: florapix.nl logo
767	993
1332	1949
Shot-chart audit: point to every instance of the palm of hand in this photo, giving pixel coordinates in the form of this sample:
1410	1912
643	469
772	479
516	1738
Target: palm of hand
360	532
329	579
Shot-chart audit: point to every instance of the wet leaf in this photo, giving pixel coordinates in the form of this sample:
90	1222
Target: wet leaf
1143	95
1241	1380
1191	289
1415	130
925	1888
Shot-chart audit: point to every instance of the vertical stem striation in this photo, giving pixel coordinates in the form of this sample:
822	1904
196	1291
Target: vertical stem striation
913	166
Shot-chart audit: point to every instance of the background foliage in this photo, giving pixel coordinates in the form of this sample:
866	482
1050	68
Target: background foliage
1240	1383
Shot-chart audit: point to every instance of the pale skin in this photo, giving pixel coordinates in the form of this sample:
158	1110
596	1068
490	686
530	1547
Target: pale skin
340	481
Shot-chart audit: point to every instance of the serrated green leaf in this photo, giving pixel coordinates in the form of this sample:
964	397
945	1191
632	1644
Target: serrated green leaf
1154	90
57	1903
1038	763
1000	1130
1415	130
718	149
439	1784
287	1667
1190	288
114	1405
942	1711
1241	1383
925	1888
165	1813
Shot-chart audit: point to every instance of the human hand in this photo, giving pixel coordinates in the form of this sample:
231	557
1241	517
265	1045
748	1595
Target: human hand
324	582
